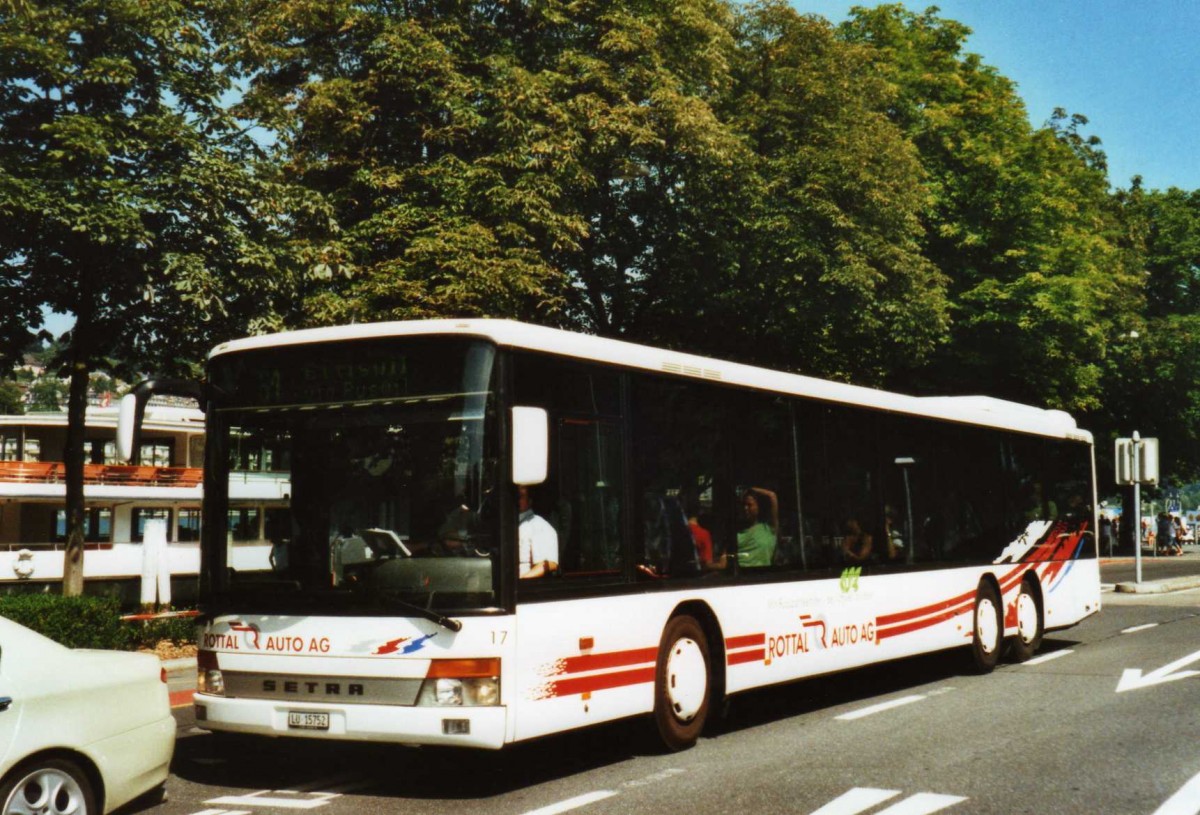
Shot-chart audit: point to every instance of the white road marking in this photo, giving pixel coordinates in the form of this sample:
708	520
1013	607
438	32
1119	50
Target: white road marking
653	778
1048	657
857	800
1184	802
1133	679
923	803
868	711
222	812
263	798
1139	628
860	799
573	803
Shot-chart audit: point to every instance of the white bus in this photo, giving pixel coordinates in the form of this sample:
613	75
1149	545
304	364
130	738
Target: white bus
697	529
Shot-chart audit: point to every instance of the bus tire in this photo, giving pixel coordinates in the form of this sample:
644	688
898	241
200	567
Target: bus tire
682	683
988	628
1030	625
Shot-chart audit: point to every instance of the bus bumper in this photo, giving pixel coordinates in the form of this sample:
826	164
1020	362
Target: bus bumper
450	726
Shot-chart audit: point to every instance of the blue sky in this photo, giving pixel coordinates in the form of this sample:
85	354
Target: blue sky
1131	66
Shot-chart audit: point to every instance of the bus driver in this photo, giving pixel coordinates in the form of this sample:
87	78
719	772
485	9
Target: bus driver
538	542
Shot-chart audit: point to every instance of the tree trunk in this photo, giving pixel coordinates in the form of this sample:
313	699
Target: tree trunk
73	459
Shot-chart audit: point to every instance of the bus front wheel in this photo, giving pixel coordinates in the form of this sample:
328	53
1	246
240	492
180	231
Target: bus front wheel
988	628
682	686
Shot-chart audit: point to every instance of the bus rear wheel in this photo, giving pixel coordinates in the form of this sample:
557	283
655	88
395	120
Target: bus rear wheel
988	627
1029	624
682	686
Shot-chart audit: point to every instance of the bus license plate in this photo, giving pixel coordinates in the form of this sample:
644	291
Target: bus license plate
303	720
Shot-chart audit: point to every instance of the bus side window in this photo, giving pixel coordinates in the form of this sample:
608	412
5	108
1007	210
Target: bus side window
582	497
838	484
759	428
587	514
676	443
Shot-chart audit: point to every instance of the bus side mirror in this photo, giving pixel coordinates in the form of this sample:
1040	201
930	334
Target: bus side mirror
127	422
133	410
530	445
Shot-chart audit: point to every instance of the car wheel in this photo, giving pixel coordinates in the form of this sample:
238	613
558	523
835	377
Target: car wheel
53	786
1029	624
682	685
988	635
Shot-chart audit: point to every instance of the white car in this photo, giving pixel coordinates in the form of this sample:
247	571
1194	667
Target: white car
81	732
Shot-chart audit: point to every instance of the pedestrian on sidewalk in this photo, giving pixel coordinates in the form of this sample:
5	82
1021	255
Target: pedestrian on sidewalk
1165	533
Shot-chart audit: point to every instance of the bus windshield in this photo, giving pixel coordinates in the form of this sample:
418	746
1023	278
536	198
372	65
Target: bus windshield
389	451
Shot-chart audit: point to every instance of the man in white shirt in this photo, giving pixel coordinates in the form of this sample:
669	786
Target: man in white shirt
538	548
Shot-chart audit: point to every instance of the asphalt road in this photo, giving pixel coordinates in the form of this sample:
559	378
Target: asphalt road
1104	721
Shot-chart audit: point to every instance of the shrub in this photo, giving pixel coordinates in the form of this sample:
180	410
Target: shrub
177	630
93	622
76	622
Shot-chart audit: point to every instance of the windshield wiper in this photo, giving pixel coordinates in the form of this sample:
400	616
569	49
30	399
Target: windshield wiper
448	623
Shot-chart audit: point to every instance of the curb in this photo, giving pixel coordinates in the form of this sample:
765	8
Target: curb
184	665
1160	586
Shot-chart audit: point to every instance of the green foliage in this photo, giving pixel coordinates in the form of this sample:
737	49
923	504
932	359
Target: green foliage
11	398
93	622
76	622
1018	219
868	202
176	630
47	393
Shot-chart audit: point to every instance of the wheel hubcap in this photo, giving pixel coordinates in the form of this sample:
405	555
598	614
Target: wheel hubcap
1027	617
687	679
46	792
986	628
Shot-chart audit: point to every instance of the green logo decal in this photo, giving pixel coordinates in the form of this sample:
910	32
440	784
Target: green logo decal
850	577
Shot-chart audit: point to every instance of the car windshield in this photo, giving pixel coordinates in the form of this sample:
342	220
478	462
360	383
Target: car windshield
389	462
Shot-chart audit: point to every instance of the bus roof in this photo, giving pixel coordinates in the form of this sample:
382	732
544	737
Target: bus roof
979	410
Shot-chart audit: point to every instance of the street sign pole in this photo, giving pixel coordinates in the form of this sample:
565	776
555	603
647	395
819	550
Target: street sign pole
1137	512
1136	461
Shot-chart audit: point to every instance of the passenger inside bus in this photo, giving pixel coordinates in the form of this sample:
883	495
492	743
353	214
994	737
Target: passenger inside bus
757	539
856	544
538	541
669	544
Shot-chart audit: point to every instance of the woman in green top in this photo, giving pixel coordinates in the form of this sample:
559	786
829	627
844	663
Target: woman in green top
756	543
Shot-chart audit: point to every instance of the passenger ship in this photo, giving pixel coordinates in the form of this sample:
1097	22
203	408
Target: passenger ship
120	499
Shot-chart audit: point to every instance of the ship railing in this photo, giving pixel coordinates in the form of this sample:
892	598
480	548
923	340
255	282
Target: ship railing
132	475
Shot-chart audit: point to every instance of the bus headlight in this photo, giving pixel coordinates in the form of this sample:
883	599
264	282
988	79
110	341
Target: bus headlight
461	683
208	674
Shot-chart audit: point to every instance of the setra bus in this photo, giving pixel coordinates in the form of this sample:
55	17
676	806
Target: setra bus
499	531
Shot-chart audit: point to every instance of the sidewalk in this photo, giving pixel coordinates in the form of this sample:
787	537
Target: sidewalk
181	680
1159	574
1159	586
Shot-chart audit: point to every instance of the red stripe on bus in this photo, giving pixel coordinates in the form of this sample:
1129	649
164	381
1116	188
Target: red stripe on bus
903	616
181	698
745	641
747	656
595	682
613	659
882	634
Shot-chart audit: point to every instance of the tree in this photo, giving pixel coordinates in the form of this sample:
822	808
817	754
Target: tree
11	398
1153	374
126	194
1018	219
436	151
830	272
